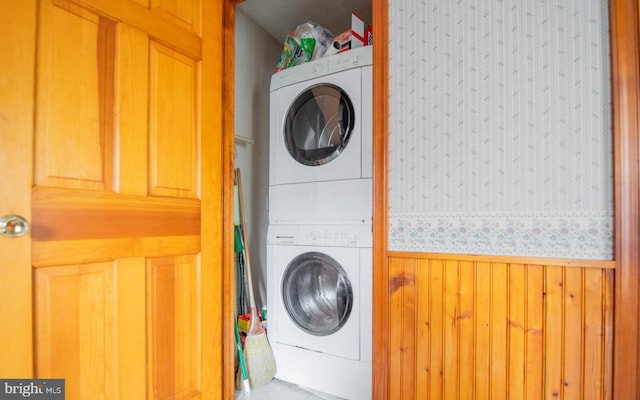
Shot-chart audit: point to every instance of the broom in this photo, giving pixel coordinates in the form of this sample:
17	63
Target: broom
261	365
243	367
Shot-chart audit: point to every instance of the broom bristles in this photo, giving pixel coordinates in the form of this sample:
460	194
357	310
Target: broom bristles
261	365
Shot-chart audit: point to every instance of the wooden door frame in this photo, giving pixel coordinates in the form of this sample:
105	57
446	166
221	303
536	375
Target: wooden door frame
228	133
625	71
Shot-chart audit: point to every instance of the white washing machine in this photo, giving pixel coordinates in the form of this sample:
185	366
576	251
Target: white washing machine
320	154
320	120
320	297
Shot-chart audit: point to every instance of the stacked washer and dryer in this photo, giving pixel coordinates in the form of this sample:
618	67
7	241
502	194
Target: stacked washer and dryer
319	242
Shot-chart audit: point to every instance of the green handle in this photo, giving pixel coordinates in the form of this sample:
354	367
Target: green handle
243	367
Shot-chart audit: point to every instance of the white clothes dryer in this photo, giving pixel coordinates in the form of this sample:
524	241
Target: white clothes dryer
327	202
320	120
320	296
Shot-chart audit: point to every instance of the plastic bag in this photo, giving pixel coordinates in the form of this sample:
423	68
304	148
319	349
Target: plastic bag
308	42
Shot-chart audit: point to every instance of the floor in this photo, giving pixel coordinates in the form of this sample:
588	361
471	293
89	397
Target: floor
280	390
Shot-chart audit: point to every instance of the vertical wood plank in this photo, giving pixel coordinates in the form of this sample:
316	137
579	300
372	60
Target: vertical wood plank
534	345
409	335
423	325
594	334
553	329
499	333
483	323
466	329
607	317
396	318
451	330
517	323
436	387
573	333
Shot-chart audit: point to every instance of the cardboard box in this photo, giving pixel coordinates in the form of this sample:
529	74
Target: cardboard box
360	34
358	28
244	321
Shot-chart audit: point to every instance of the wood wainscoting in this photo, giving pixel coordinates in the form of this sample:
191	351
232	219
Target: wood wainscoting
481	327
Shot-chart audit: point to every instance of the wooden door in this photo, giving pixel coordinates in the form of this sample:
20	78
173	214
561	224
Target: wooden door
113	153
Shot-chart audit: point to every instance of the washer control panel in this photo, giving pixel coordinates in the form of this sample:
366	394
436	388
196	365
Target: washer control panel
357	235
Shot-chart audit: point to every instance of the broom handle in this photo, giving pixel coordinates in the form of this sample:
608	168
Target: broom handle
255	325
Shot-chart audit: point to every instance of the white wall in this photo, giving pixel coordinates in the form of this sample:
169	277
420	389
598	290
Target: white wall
500	128
256	55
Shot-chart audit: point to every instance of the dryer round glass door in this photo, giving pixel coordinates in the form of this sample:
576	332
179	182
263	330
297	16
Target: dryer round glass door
317	293
318	124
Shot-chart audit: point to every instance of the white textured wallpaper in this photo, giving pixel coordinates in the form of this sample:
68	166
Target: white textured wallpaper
500	128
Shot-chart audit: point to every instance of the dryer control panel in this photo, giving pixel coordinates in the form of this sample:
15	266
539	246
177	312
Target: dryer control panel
357	235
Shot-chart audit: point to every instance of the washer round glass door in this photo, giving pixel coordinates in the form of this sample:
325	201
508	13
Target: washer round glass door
317	293
318	124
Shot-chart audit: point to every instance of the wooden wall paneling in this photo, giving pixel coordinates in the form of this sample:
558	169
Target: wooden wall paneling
464	329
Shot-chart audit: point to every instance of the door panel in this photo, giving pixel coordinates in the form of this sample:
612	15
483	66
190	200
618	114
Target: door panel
124	151
18	22
172	115
75	79
75	330
174	342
